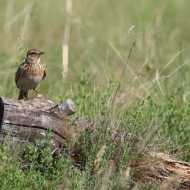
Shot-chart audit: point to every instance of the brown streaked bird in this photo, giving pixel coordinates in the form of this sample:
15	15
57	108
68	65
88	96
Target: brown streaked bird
30	73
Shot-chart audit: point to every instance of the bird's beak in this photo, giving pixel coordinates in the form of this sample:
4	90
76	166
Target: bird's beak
41	52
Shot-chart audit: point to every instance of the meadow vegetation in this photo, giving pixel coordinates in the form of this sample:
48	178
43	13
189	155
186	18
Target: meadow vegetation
129	65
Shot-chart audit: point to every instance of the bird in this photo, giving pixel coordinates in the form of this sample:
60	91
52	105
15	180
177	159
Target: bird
30	73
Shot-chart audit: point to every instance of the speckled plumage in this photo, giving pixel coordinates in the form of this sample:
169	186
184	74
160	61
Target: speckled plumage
30	73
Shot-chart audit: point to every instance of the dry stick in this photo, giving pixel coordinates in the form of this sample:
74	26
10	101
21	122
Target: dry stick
128	57
130	69
65	46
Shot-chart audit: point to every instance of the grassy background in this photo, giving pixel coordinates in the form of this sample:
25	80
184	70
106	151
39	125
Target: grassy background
100	41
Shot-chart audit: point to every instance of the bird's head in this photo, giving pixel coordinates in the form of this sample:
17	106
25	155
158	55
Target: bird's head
33	55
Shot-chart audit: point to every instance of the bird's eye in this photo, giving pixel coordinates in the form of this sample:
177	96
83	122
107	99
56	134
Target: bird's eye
32	53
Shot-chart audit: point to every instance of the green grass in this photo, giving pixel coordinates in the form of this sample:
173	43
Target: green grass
147	99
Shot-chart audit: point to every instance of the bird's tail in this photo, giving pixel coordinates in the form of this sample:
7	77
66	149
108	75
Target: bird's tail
23	95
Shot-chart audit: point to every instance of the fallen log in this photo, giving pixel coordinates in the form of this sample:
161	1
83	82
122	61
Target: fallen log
26	121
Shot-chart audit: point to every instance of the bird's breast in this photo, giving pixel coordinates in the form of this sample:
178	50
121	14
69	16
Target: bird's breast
30	77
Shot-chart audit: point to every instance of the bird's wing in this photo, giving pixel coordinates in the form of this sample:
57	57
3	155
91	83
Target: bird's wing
44	74
18	74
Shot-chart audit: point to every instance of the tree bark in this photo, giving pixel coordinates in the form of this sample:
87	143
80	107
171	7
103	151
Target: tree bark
26	121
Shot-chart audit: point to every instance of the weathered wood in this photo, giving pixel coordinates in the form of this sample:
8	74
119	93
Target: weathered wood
160	168
28	120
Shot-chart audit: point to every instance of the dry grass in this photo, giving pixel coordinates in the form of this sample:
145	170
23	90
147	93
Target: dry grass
122	89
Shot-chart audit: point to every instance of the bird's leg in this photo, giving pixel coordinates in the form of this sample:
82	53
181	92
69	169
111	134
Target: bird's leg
35	91
23	95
